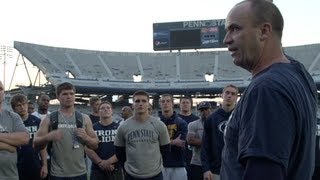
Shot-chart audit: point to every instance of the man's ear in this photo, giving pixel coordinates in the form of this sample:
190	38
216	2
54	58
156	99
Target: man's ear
266	30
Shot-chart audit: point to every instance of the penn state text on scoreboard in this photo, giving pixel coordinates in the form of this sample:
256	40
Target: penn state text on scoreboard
189	35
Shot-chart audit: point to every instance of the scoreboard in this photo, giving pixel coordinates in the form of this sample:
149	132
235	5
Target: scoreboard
188	35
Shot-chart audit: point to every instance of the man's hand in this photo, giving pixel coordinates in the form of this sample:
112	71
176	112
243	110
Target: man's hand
208	175
110	168
179	142
82	134
106	165
55	135
44	171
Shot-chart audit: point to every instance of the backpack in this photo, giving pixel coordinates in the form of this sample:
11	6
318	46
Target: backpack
54	121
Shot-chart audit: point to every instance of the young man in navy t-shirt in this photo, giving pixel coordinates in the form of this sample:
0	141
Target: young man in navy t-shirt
212	140
104	161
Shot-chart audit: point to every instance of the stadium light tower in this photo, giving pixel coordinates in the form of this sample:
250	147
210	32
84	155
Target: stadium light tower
5	52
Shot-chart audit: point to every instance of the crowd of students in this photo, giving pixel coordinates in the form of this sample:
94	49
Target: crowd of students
144	147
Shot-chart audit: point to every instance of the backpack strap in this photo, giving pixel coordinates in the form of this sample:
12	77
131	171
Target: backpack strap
79	122
54	120
79	119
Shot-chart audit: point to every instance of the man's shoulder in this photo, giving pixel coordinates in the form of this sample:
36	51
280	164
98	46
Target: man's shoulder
95	125
34	118
156	121
82	115
194	117
218	114
11	114
35	114
277	73
114	125
180	120
189	118
127	123
281	78
93	117
194	123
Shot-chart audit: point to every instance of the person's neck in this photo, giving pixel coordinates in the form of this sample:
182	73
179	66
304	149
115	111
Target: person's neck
141	117
272	54
67	111
106	121
167	114
24	117
42	111
227	108
185	113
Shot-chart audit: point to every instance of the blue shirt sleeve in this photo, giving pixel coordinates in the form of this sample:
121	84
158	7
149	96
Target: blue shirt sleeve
267	129
263	169
182	129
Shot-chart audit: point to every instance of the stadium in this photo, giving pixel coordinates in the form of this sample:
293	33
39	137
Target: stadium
106	73
194	73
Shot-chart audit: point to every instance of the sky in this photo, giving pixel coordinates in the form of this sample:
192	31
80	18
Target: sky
126	25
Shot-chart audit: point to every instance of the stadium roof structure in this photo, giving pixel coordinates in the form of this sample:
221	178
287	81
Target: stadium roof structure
103	72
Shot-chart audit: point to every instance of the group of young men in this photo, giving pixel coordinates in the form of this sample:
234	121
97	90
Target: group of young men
61	132
150	147
142	147
269	134
145	144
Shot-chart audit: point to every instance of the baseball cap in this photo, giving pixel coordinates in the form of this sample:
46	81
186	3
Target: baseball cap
204	105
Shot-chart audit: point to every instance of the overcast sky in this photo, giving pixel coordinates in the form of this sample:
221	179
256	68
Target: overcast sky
126	25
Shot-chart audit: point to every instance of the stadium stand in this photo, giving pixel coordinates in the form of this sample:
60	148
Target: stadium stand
103	72
310	55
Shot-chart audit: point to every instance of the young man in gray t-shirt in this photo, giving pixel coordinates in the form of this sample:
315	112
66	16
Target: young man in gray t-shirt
68	139
141	141
12	134
194	139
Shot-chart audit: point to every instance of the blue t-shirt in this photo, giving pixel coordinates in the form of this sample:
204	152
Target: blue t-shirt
94	118
29	158
274	119
189	118
106	136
